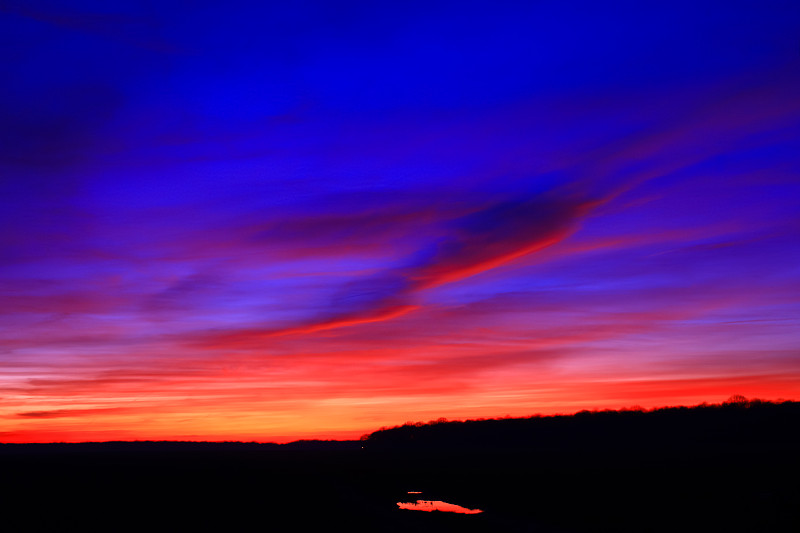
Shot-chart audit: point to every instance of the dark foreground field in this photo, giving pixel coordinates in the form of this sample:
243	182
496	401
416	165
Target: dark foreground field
730	468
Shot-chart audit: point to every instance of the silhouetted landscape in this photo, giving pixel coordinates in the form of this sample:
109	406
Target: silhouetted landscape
721	467
226	223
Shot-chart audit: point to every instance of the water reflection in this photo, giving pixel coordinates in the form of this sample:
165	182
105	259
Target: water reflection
435	505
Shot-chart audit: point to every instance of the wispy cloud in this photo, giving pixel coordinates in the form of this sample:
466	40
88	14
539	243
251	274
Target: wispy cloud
484	239
70	413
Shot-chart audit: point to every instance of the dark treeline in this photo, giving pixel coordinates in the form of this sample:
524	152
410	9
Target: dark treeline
736	423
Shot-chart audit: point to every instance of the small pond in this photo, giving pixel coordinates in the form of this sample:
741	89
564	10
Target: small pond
435	505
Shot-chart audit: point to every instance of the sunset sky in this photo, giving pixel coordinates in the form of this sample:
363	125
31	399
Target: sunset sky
281	220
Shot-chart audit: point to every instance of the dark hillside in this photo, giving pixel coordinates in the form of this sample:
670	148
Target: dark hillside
729	467
738	423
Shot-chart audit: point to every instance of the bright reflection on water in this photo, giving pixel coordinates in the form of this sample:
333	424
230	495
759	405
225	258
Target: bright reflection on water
435	505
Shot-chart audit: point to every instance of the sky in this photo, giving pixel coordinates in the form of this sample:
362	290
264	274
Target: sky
270	221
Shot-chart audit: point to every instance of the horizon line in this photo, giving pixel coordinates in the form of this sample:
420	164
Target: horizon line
735	399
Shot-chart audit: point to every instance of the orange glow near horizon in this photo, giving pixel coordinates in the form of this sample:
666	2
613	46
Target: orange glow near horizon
350	417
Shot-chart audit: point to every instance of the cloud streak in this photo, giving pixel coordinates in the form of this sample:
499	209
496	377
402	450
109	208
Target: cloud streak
479	241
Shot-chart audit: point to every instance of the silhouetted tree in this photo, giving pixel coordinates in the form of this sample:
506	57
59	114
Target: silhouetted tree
738	400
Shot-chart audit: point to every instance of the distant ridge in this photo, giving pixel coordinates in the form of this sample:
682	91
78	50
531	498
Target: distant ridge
176	446
736	422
